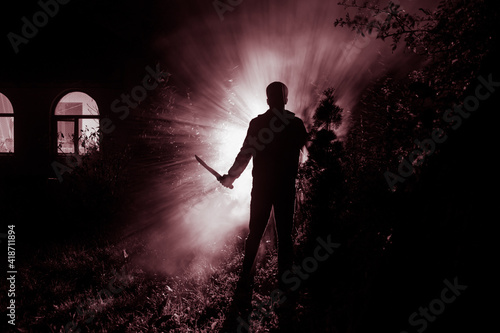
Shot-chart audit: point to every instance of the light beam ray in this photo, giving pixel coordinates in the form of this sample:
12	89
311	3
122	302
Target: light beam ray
223	67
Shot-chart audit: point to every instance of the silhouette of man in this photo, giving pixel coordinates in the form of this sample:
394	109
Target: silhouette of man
274	140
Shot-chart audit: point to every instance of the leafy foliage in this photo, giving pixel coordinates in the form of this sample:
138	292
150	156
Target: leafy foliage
390	21
451	43
336	202
342	186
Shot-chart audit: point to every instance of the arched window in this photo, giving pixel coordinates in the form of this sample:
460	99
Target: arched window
77	122
6	125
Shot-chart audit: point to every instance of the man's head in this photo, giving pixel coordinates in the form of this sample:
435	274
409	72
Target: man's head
277	95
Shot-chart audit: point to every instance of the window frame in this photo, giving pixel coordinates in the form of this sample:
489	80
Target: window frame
10	115
56	118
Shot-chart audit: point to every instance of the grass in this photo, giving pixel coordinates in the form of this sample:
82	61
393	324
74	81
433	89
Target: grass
100	289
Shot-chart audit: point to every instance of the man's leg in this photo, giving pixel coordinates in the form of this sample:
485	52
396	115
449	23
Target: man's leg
241	307
283	212
260	209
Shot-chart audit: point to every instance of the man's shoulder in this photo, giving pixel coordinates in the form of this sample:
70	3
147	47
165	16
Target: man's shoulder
260	118
284	116
294	118
289	114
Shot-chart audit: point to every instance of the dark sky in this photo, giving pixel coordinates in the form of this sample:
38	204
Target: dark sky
84	39
95	39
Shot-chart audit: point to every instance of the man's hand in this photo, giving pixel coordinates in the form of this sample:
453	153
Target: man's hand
227	181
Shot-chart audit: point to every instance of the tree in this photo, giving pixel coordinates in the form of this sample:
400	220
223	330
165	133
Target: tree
451	41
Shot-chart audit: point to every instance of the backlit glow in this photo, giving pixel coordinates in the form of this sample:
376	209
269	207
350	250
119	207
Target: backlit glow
221	70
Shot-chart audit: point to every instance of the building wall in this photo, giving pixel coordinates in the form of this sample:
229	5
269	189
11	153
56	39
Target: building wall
34	129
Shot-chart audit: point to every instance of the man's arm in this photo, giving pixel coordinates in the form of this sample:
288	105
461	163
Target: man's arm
241	161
